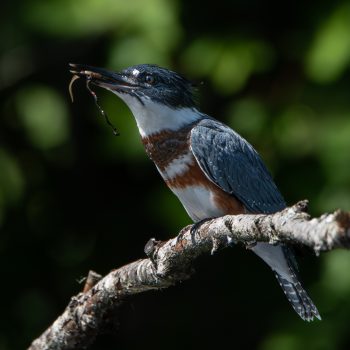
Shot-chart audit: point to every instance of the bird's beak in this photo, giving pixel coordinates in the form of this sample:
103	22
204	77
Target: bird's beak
104	78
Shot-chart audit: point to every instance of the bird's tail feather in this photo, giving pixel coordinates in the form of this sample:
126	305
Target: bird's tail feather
298	297
281	260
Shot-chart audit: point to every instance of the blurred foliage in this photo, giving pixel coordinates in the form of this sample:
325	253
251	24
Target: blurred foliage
329	55
228	63
278	73
43	114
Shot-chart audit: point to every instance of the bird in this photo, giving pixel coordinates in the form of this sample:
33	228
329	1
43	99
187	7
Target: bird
210	168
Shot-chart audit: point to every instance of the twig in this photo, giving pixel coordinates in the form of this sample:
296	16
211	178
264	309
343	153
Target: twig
170	262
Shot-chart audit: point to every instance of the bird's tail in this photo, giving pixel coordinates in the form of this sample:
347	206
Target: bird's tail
298	297
282	261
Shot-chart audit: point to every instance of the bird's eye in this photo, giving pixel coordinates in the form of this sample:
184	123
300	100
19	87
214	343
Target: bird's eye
149	79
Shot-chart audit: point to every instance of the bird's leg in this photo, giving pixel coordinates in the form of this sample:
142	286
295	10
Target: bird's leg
180	236
193	230
196	226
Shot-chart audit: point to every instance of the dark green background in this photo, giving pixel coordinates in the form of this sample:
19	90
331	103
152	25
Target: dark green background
73	197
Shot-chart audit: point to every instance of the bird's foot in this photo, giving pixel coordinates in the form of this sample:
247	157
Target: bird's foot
195	227
180	236
193	230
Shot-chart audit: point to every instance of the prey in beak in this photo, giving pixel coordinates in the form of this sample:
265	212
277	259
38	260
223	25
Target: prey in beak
106	79
100	77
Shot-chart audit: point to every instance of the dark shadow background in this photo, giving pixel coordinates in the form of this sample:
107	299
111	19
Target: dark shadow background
73	197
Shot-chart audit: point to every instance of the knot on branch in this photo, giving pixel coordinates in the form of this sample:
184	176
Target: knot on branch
302	206
92	278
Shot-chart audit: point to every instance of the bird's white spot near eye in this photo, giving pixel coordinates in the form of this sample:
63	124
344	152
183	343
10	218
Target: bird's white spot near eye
135	72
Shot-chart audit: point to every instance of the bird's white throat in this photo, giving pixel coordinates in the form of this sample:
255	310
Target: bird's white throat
152	117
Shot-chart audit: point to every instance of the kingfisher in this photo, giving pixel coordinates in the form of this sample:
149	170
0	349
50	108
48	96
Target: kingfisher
210	168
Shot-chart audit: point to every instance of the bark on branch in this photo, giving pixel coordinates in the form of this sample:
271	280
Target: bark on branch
170	262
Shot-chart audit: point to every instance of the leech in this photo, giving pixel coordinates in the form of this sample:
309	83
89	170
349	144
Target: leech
75	77
103	113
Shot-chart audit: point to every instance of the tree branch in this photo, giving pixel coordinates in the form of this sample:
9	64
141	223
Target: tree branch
169	262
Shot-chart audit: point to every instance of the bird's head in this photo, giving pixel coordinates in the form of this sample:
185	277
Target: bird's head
157	96
145	81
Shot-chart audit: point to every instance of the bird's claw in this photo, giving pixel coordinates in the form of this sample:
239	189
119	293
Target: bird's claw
193	230
195	227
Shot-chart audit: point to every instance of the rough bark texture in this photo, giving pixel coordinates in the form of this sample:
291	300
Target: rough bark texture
169	262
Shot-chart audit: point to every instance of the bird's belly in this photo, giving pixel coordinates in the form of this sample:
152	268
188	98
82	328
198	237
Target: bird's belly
199	202
201	198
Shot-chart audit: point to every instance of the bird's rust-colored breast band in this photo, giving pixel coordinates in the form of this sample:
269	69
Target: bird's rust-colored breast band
167	145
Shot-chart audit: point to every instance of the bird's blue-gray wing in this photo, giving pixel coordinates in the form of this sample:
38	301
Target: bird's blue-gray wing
231	163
